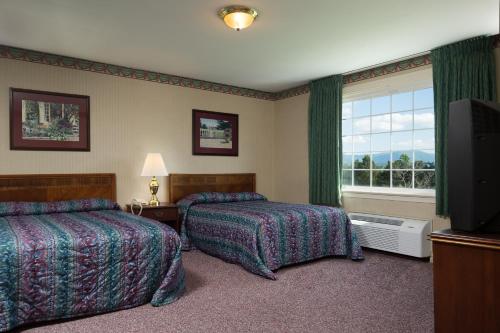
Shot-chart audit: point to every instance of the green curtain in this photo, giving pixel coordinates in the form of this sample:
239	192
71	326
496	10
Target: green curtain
325	140
461	70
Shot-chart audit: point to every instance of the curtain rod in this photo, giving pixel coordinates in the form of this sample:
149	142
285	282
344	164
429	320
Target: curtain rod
387	62
401	59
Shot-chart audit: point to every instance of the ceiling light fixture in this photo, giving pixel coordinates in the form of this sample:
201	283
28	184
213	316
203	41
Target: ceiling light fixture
238	17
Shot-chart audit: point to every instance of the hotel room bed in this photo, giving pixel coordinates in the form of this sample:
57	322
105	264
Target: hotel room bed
263	236
81	257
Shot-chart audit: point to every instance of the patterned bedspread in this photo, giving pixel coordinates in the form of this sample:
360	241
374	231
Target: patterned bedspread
262	236
72	258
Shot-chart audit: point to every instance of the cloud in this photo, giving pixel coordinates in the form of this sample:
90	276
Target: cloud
381	123
402	121
346	110
361	143
424	120
361	125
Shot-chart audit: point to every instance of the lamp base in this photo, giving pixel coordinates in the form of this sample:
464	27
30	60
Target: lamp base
154	201
153	188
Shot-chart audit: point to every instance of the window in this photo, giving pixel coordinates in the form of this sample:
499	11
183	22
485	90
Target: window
388	141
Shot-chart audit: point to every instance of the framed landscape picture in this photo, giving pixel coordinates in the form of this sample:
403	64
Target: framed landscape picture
41	120
215	133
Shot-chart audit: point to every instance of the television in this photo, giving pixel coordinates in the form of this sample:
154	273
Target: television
474	166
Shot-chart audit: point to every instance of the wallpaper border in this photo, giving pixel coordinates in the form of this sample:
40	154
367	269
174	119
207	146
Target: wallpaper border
15	53
10	52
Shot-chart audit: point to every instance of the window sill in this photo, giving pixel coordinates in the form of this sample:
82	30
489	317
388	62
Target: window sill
423	196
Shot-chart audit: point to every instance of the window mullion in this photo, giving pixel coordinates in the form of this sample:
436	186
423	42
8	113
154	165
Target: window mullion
371	145
413	141
402	100
390	143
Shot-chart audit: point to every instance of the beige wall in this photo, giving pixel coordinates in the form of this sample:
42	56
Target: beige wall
130	118
291	178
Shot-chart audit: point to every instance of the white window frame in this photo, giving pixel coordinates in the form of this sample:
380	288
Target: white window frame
405	81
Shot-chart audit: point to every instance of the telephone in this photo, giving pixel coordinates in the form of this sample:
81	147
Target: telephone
137	203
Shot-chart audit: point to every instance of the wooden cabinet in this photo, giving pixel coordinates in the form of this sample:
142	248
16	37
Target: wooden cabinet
466	282
166	213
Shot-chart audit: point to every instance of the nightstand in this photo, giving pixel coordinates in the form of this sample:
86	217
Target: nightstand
167	213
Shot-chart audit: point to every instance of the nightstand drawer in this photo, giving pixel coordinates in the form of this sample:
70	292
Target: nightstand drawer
161	214
166	213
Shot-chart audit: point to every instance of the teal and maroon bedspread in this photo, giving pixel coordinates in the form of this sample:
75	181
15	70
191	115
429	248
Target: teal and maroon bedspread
262	236
73	258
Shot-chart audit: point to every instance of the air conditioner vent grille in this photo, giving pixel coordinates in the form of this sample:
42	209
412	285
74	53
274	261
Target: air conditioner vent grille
393	234
382	220
375	238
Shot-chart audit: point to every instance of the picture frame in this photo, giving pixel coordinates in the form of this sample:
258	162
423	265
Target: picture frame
215	133
50	121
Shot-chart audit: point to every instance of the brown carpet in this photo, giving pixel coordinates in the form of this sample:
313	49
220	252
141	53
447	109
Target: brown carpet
384	293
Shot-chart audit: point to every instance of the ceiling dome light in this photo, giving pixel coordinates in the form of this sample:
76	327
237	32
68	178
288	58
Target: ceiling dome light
238	17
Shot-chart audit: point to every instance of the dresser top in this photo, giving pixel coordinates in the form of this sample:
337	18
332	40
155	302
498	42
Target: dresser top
160	206
461	237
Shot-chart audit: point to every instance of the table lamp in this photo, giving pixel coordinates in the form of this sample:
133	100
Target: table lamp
154	166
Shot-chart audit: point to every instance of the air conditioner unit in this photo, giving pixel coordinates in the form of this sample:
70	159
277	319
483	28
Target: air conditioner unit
393	234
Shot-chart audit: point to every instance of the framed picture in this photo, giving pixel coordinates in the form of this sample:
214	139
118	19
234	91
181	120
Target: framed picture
41	120
215	133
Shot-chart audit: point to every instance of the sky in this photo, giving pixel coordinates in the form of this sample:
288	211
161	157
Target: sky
359	120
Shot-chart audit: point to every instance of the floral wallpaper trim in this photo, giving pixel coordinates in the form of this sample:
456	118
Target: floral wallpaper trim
132	73
139	74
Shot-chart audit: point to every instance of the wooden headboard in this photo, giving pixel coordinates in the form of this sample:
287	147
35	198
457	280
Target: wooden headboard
182	184
57	187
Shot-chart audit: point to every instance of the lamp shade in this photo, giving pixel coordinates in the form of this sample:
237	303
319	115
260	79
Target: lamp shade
154	166
238	20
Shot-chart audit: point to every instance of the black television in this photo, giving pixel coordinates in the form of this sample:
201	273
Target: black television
474	166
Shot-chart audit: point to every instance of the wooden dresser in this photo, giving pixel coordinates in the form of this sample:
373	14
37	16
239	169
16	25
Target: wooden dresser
466	281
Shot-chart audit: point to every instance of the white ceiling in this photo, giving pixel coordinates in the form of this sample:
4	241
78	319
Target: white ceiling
290	43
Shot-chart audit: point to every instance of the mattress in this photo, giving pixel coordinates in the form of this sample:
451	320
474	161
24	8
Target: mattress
74	258
262	236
